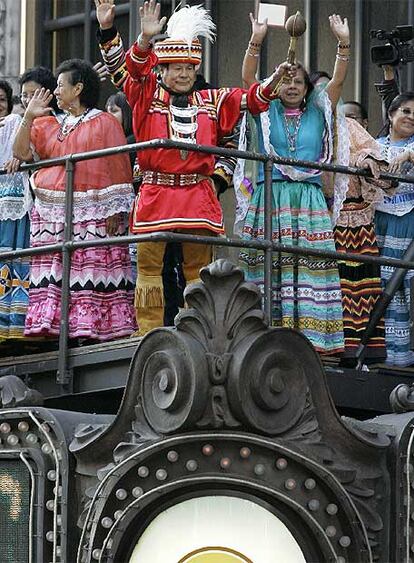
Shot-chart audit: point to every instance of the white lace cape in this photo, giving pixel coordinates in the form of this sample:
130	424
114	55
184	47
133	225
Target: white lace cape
15	196
342	157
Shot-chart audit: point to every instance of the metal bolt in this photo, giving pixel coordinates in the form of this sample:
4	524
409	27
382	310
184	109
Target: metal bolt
225	462
107	522
290	484
281	463
345	541
330	531
161	474
207	450
310	484
23	426
259	469
143	471
172	456
245	452
121	494
314	504
137	492
332	509
191	465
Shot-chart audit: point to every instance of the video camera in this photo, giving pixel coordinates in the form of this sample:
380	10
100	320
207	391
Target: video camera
397	50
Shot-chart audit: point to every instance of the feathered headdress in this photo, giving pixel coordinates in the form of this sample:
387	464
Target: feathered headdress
183	30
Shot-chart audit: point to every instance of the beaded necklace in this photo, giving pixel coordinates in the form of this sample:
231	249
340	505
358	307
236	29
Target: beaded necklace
291	123
65	129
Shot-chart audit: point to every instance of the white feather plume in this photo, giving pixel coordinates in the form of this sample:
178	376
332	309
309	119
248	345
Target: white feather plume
191	22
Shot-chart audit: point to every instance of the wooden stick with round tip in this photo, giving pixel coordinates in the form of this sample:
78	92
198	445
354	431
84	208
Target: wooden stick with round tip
295	26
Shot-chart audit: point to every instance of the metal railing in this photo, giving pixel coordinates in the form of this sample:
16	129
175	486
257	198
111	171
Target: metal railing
68	245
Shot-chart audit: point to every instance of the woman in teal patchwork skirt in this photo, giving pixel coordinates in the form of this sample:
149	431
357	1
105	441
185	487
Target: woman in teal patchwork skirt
306	292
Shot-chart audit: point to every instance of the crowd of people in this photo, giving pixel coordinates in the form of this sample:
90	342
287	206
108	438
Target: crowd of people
160	95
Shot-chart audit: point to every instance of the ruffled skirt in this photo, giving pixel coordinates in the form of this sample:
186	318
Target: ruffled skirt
101	289
306	292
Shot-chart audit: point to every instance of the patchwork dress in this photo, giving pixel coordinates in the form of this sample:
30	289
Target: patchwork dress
15	203
394	224
354	233
306	292
101	289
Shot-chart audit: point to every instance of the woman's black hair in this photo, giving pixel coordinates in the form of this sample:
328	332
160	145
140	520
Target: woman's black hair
8	90
43	76
309	85
119	99
317	74
362	109
394	105
83	72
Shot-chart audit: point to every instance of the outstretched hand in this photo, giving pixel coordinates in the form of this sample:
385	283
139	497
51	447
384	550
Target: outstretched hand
102	71
39	103
105	13
259	30
151	24
339	28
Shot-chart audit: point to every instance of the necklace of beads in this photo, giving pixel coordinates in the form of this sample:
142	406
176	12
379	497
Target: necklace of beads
291	122
67	128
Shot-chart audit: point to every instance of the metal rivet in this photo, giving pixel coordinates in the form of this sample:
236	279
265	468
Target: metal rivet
208	450
191	465
50	535
46	449
314	504
330	531
245	452
340	559
51	475
50	504
281	463
106	522
31	438
5	427
172	456
290	484
310	484
96	553
23	426
345	541
225	462
12	439
259	469
332	509
161	474
143	471
117	514
137	492
121	494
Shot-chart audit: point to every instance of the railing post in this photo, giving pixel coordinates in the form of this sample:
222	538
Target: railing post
267	210
64	374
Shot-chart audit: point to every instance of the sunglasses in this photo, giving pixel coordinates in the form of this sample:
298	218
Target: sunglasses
406	111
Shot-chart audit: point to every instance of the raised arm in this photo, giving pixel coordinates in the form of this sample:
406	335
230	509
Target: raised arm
110	43
340	31
37	107
151	24
251	57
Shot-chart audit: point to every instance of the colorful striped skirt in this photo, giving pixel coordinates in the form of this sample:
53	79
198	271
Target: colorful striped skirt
14	279
394	234
101	288
306	292
361	286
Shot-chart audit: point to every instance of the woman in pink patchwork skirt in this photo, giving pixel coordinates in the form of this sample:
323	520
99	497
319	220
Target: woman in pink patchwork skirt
101	289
